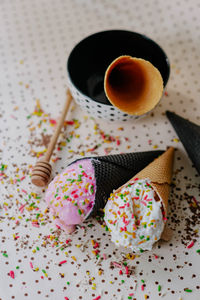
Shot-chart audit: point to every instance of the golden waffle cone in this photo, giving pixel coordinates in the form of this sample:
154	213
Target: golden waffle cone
159	172
133	85
163	191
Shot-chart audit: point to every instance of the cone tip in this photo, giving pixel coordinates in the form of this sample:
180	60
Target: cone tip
169	152
170	149
170	113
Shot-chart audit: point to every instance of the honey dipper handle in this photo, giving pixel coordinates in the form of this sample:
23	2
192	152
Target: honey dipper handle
58	128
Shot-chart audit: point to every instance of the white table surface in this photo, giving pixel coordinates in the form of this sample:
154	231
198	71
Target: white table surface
35	40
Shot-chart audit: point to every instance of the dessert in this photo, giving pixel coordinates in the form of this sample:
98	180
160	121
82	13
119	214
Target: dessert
85	185
71	194
136	212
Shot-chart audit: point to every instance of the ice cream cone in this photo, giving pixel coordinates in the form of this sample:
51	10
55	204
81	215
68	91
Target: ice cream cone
133	85
136	212
189	134
85	185
112	171
159	172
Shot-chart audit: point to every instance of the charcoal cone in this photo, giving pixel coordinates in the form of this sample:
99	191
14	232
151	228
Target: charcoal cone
112	171
189	134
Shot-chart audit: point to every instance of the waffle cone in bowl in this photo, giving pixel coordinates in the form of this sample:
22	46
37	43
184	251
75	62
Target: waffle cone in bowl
133	85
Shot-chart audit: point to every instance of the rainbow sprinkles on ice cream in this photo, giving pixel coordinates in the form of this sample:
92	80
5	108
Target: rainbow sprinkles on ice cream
136	212
71	195
135	216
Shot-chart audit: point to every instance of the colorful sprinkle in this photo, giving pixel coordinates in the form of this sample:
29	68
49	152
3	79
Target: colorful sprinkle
12	274
62	262
188	290
97	298
190	245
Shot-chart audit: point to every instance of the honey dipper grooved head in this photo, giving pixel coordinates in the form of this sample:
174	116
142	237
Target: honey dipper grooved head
41	173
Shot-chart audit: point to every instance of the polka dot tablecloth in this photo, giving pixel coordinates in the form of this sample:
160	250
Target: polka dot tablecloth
36	38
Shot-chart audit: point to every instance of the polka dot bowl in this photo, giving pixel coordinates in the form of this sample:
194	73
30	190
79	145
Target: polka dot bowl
89	60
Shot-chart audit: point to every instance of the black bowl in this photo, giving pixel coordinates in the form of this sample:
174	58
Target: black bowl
90	58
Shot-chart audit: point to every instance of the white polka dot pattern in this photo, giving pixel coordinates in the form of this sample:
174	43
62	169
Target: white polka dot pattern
37	260
98	110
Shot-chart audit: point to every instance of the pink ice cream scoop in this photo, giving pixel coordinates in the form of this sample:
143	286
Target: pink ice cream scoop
71	195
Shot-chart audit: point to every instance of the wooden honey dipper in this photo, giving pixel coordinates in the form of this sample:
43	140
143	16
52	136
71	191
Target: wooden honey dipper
42	170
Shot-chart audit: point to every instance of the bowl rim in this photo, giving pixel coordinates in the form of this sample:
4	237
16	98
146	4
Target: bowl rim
114	30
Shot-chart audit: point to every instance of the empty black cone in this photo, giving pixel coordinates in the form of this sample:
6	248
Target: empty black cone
189	134
112	171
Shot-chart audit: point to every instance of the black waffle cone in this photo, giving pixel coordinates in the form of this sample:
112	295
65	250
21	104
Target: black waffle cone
189	134
112	171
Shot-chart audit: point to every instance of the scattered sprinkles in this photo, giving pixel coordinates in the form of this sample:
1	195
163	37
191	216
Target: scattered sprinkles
190	245
22	208
97	298
62	262
187	290
12	274
159	288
